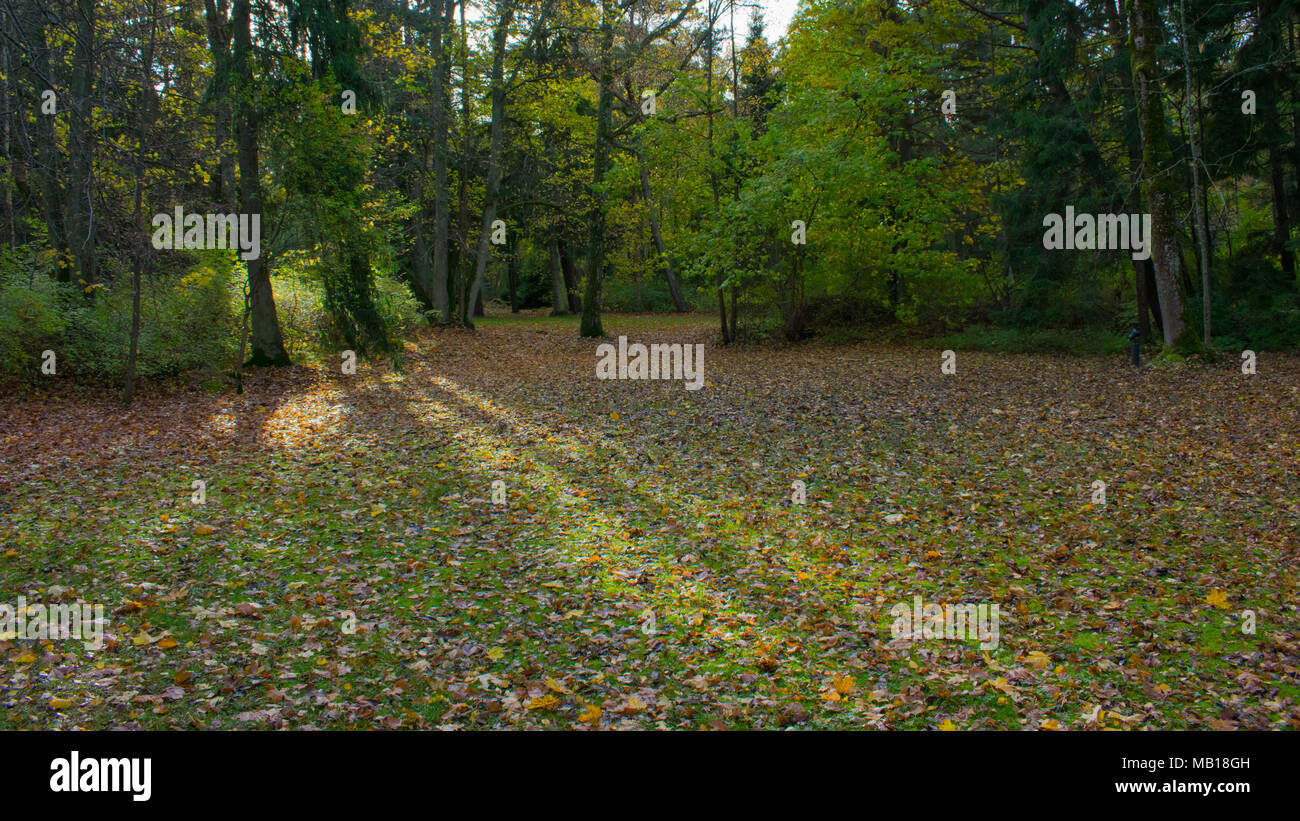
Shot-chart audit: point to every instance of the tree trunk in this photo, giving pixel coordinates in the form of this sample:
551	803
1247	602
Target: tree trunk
462	222
674	289
218	27
512	276
81	147
421	276
144	112
46	157
1157	165
572	278
441	194
713	174
1198	202
492	192
591	324
265	340
559	303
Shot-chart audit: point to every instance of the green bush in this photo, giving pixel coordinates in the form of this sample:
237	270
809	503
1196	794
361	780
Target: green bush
30	319
186	322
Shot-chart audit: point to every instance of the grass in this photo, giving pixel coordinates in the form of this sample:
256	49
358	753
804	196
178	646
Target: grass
648	568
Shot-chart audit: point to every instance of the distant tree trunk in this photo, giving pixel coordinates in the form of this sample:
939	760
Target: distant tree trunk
441	194
421	276
591	324
713	174
1198	202
1157	184
46	157
266	342
492	192
217	13
512	275
559	303
462	221
81	147
572	278
674	289
1269	14
144	113
14	173
1120	50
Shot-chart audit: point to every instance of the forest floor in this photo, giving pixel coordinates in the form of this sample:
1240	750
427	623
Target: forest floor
349	569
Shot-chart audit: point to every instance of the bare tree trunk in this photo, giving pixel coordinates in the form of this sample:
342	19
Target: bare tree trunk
559	303
492	192
143	125
441	194
1198	202
12	162
81	148
217	13
1156	167
591	325
674	289
421	276
512	276
462	255
46	158
713	174
572	278
266	342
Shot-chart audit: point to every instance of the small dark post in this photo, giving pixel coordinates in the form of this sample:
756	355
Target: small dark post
1135	348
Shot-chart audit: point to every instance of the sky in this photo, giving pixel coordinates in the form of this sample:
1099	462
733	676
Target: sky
776	16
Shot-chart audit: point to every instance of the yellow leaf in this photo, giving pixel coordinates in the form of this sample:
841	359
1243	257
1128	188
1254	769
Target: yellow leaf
634	705
1001	684
842	684
141	638
1218	599
204	530
1038	659
25	658
614	416
545	702
496	654
947	725
60	703
167	643
556	686
590	715
1050	724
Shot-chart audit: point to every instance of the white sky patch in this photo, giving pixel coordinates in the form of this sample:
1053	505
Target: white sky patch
776	18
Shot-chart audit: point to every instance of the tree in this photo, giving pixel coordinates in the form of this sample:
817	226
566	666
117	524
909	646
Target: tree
1157	167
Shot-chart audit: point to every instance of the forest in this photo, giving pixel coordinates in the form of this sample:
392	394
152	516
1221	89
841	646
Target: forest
644	364
886	167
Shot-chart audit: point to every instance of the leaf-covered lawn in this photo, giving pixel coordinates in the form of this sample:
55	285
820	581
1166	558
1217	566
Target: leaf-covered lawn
648	568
